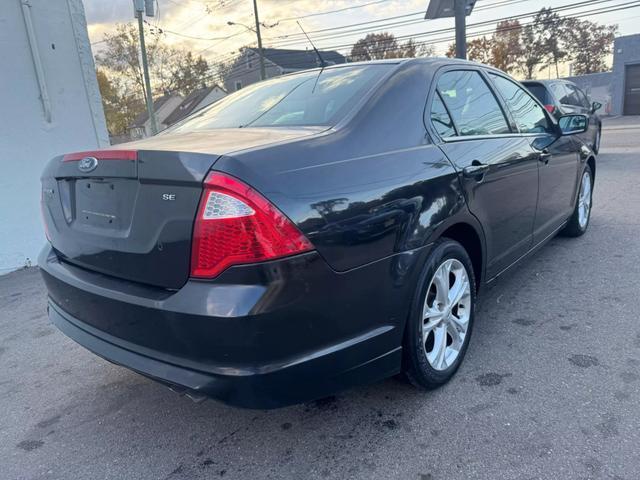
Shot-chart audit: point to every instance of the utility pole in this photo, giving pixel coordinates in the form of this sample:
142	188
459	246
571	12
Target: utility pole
139	7
263	73
461	28
453	8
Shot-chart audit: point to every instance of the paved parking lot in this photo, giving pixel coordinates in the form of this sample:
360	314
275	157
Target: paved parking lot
550	388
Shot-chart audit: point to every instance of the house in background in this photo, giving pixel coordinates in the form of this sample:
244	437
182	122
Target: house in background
163	106
196	100
51	105
246	68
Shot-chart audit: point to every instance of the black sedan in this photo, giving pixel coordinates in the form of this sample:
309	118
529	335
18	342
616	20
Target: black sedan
562	97
312	232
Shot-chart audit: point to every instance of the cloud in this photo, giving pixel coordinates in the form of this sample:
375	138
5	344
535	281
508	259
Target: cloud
207	19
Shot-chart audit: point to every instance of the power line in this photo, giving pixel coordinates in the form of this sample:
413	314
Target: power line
287	19
596	11
580	4
409	22
227	57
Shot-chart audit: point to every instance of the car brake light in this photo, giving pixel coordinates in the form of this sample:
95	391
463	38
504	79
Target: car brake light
550	108
102	155
236	225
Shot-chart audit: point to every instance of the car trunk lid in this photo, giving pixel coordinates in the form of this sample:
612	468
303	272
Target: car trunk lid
129	211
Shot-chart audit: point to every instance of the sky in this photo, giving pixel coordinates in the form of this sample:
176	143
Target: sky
201	25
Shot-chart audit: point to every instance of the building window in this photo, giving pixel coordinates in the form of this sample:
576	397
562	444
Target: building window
238	85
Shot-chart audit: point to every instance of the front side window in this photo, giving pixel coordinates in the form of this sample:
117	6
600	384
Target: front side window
582	98
574	98
472	105
305	99
529	116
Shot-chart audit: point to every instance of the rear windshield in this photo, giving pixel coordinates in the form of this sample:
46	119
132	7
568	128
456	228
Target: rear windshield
539	91
305	99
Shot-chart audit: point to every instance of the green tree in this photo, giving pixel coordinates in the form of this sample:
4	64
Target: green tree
588	45
170	68
532	52
551	30
188	73
120	106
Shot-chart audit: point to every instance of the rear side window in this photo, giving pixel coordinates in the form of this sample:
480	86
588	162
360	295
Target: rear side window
540	92
529	116
440	118
473	108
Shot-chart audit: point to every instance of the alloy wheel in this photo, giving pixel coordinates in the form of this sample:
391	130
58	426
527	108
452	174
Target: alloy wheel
446	314
584	200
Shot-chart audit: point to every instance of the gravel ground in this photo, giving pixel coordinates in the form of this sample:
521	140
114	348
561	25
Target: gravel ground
550	388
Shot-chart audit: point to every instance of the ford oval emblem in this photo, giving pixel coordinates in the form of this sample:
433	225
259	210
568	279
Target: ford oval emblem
88	164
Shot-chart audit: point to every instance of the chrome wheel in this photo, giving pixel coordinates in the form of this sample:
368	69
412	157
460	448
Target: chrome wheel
584	200
446	313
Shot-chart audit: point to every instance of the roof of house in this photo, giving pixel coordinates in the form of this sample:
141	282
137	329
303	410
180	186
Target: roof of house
189	104
142	118
300	59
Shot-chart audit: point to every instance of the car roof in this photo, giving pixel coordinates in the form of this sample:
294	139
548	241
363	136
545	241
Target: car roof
548	82
436	62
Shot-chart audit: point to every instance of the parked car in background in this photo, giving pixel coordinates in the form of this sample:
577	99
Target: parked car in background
562	97
311	232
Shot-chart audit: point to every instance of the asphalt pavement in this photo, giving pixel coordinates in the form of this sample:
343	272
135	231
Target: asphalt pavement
550	388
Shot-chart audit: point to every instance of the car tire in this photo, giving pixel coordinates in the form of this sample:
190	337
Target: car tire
438	330
579	220
597	140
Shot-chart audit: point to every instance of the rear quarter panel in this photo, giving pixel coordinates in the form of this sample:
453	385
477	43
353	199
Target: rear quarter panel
367	189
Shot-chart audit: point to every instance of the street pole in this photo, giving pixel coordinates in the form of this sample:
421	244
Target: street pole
147	80
263	73
461	28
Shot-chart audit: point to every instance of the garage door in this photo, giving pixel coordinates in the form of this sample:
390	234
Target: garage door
632	90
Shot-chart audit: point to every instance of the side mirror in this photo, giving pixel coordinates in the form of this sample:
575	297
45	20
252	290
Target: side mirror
595	106
573	124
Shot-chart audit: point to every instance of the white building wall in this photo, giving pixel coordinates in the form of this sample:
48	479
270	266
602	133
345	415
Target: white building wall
27	139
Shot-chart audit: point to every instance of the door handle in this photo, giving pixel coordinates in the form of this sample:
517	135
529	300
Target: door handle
544	155
475	170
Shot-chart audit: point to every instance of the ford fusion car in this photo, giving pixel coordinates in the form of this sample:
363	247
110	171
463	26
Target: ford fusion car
311	232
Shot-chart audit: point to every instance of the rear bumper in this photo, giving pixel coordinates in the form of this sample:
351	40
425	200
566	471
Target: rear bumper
259	336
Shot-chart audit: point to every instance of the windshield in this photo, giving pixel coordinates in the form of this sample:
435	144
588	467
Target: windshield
306	99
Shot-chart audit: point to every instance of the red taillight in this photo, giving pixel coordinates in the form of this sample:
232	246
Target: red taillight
550	108
236	225
102	155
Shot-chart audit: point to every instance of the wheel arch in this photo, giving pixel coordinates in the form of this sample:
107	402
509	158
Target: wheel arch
591	161
470	238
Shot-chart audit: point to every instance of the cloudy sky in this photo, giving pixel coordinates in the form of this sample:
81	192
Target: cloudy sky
201	25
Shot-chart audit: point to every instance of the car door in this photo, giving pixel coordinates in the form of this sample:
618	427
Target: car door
558	157
497	166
